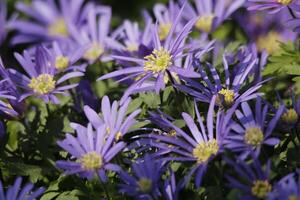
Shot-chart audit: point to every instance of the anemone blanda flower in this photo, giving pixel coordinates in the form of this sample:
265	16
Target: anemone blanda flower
165	17
272	6
94	34
252	131
287	188
160	64
233	90
9	95
50	21
290	115
144	182
17	192
129	38
253	179
113	116
200	148
41	80
91	151
66	60
210	14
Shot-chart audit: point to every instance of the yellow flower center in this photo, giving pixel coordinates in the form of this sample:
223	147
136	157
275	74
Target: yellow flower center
293	197
158	61
204	150
269	42
95	51
204	23
61	62
227	95
91	161
254	136
260	189
290	116
163	30
43	84
285	2
58	28
145	185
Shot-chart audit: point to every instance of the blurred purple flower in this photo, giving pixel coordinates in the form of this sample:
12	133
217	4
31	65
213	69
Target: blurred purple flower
252	131
144	182
94	34
272	6
91	151
49	21
287	188
210	14
252	179
2	129
16	192
42	74
85	96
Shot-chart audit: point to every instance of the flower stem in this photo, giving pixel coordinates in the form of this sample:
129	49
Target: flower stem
104	189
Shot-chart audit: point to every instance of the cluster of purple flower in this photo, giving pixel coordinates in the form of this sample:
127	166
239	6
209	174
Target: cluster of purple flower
66	37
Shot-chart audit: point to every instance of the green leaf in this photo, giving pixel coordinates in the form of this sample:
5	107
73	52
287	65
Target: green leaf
13	129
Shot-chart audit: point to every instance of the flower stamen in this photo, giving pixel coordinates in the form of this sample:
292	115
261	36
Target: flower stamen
254	136
91	161
204	150
260	189
158	61
43	84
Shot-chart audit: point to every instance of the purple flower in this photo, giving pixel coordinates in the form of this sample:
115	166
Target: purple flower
65	60
252	179
129	39
171	189
94	34
273	6
200	148
229	92
287	188
9	104
16	192
49	20
41	80
114	117
165	17
290	115
160	66
3	15
91	151
210	14
85	96
252	131
144	182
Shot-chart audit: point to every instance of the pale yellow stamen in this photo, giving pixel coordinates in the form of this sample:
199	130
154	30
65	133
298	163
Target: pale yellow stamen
228	96
91	161
204	150
172	133
260	189
145	185
253	136
61	62
94	52
290	116
158	61
58	28
43	84
293	197
204	23
285	2
163	30
269	42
